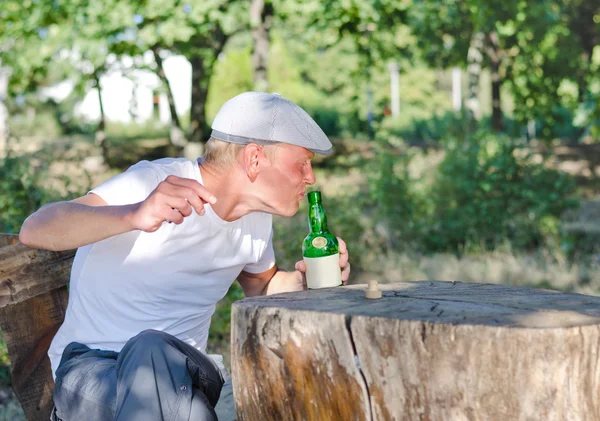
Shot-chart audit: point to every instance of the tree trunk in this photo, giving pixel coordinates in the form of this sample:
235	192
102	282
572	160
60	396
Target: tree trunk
4	130
494	55
176	134
200	81
497	123
584	71
474	58
581	21
261	14
160	71
424	351
456	89
100	136
203	61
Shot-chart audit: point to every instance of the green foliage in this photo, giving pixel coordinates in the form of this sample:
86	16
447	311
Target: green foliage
221	320
21	192
44	123
399	205
131	131
426	130
4	363
487	193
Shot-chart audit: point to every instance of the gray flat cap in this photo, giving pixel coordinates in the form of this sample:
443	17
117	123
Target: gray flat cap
263	118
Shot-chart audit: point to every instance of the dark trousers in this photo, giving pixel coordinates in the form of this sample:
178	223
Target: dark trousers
155	377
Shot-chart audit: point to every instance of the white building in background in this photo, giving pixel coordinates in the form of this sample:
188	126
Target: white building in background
127	92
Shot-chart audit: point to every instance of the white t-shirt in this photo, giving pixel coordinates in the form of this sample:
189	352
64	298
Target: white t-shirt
168	280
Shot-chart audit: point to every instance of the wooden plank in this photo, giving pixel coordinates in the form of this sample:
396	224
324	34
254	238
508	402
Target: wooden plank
28	328
27	272
425	350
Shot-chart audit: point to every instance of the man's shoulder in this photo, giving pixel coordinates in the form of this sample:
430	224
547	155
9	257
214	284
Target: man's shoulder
175	166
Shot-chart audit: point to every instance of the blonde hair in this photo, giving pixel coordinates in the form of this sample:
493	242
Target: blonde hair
224	154
221	154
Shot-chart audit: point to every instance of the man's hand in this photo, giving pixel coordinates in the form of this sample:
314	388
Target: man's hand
171	201
344	263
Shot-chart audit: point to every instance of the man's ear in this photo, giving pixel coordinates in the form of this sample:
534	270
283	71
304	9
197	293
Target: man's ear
254	159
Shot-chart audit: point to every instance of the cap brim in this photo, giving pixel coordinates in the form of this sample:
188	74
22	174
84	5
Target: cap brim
241	140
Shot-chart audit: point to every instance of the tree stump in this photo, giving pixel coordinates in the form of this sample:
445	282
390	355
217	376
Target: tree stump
424	351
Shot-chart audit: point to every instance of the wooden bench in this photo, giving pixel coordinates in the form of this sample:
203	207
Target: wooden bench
33	301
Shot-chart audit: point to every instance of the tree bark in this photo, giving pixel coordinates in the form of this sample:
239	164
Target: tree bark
497	123
581	22
474	59
261	14
100	136
160	71
202	61
495	55
424	351
176	134
4	130
199	96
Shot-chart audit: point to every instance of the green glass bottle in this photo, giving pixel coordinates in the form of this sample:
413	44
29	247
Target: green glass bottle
320	248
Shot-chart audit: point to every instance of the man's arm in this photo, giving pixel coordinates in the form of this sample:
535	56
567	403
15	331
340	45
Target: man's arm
272	281
88	219
68	225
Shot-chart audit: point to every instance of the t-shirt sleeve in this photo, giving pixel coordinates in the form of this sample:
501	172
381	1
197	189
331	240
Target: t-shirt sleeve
266	261
132	186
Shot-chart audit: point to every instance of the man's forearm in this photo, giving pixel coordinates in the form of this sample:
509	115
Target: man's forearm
68	225
283	281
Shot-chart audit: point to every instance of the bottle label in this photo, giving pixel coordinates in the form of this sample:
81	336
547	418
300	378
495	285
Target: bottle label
319	242
323	272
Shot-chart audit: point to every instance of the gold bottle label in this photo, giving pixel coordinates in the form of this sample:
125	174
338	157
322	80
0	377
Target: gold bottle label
319	242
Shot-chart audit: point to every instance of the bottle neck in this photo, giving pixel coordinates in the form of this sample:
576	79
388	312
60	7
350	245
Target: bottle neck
317	220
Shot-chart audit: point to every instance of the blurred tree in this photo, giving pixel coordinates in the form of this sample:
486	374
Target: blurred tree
583	20
346	40
196	29
261	16
535	47
91	31
480	34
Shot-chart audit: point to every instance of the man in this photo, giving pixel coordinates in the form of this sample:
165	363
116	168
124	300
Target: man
159	246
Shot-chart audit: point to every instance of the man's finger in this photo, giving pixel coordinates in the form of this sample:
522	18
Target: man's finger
346	274
198	188
301	266
343	260
174	216
177	203
196	202
343	249
186	193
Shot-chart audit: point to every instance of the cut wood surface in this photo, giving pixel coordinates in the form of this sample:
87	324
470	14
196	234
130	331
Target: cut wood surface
27	272
8	239
424	351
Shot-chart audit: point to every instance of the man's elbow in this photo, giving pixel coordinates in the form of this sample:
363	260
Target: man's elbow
31	237
27	234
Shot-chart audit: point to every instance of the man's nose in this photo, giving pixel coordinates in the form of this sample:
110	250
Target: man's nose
310	178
